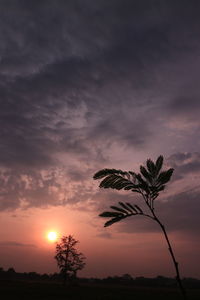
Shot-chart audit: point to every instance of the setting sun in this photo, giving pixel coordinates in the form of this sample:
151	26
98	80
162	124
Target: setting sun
52	236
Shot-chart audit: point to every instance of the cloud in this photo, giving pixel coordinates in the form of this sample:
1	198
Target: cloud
87	85
105	235
185	164
36	189
15	244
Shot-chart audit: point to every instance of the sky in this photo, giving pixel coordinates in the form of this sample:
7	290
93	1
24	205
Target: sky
87	85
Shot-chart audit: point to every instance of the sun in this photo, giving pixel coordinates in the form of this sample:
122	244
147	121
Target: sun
52	236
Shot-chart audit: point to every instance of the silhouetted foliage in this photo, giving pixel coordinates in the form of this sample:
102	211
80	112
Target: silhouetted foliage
126	279
69	260
148	183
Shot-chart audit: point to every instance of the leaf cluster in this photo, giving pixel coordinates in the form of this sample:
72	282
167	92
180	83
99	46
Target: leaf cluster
149	182
120	212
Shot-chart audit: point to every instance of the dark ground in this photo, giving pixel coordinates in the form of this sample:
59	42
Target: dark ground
44	290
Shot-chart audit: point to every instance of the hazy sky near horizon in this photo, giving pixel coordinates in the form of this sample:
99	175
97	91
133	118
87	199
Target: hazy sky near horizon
86	85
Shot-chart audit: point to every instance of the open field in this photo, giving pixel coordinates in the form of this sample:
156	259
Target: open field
46	291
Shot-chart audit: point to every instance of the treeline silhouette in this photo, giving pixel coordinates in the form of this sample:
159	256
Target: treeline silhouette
11	274
126	279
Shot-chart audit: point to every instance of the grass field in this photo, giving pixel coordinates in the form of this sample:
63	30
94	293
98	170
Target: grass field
43	291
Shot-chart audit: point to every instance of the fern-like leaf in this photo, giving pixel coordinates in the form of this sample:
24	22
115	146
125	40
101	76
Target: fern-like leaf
119	213
146	174
105	172
142	183
165	176
159	164
132	207
110	214
151	167
125	207
119	209
139	209
116	182
114	220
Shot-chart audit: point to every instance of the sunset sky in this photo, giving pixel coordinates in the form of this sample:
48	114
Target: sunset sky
87	85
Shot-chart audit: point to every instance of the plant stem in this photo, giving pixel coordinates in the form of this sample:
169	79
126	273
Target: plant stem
155	218
178	279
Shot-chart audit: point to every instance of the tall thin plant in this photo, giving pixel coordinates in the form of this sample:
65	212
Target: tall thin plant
148	183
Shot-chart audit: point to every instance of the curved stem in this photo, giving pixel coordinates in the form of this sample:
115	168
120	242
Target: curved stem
178	279
155	218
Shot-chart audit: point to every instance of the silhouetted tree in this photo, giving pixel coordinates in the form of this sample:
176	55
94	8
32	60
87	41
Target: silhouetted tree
69	260
148	183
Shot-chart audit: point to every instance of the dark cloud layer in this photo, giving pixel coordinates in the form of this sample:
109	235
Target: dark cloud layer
185	163
82	82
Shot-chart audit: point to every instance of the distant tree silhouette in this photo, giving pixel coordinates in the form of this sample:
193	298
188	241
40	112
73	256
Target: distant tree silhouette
148	183
69	260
